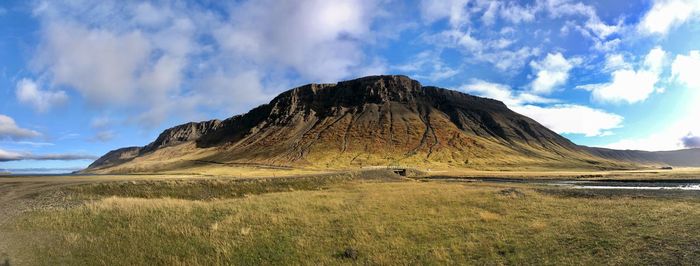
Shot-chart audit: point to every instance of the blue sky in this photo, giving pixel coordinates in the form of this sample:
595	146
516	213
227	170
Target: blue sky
79	78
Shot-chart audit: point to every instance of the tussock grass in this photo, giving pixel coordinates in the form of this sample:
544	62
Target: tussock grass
203	189
368	223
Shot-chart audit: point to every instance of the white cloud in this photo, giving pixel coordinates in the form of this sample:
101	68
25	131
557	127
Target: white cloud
516	13
601	33
165	75
675	134
665	14
655	142
600	29
100	64
691	141
10	130
6	156
593	26
454	10
615	62
319	39
508	60
478	45
502	93
629	85
377	67
491	13
104	135
459	39
233	90
552	71
427	65
100	122
130	58
35	144
606	46
678	132
101	125
28	92
685	69
147	14
491	90
460	12
487	46
589	122
655	60
150	59
598	32
501	43
666	140
9	156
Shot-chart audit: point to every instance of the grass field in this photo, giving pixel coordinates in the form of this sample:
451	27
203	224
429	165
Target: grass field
340	220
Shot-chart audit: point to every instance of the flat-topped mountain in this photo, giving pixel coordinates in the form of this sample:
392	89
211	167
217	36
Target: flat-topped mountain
370	121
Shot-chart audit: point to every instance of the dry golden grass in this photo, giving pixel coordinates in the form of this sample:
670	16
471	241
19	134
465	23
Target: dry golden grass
379	222
329	154
186	159
555	173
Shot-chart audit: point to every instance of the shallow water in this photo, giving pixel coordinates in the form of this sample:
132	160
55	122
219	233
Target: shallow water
678	187
686	185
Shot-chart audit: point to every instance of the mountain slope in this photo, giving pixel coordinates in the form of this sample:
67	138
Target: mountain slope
370	121
688	157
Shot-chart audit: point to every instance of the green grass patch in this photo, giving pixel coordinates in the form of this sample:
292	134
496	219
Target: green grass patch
363	223
206	189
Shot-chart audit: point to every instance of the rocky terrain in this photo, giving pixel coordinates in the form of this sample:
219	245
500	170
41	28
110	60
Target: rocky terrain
370	121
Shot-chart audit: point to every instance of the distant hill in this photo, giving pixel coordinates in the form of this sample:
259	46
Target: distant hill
688	157
370	121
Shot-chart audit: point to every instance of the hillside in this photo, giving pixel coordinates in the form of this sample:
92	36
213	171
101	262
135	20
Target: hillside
370	121
688	157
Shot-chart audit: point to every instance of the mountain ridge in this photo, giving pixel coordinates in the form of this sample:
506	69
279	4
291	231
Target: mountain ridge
375	120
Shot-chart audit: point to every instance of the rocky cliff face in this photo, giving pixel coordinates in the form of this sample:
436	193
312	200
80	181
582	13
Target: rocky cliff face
385	101
377	120
116	157
183	133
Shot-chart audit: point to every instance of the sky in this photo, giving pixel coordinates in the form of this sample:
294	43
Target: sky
80	78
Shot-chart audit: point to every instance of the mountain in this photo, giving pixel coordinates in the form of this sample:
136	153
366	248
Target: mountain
370	121
688	157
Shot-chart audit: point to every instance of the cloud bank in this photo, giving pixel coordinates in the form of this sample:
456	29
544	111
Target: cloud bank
691	141
153	62
158	60
6	156
666	14
629	85
10	130
28	92
589	122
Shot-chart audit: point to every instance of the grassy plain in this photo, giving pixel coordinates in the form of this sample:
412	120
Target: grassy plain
688	173
340	219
